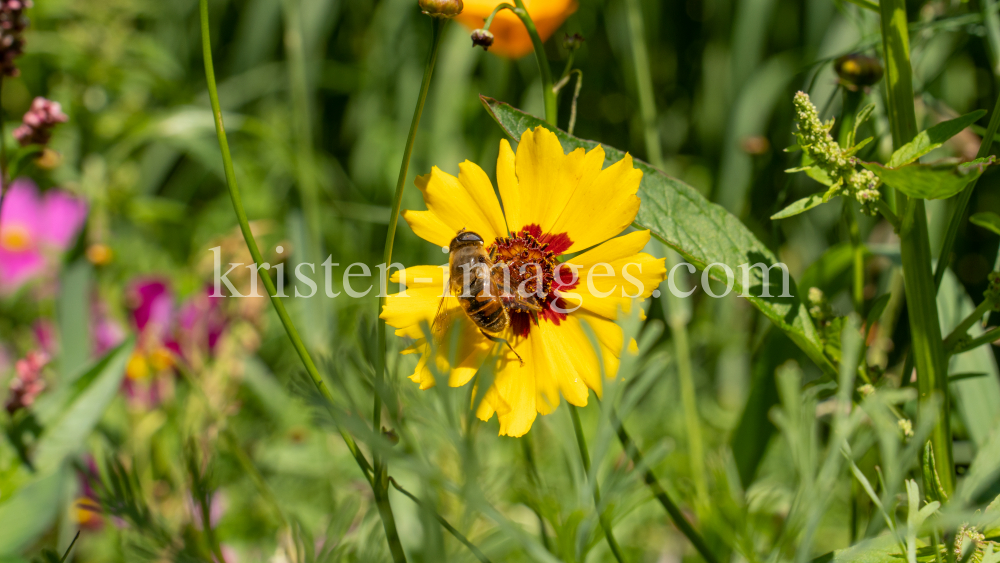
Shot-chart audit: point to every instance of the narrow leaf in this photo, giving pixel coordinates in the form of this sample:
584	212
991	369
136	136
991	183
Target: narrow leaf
702	232
932	138
800	206
987	220
927	181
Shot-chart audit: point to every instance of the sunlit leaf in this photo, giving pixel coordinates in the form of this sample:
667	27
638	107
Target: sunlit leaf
800	206
931	181
702	232
932	138
91	394
28	512
987	220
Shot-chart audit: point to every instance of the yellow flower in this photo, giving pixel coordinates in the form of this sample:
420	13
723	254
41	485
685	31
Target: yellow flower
554	203
512	40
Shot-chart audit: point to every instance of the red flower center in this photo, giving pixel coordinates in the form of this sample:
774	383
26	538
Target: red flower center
529	259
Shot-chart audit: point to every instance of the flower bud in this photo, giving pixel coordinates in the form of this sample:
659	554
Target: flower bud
441	8
482	38
573	42
858	71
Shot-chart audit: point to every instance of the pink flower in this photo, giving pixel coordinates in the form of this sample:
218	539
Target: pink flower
37	124
28	383
33	228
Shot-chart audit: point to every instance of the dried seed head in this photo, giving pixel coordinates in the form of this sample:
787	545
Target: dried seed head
482	38
441	8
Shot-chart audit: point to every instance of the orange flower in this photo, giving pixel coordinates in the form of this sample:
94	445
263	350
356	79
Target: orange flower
512	39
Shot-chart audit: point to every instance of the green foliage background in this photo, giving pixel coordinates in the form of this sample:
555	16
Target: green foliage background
318	96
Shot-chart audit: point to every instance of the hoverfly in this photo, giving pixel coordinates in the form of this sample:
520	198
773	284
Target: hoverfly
481	289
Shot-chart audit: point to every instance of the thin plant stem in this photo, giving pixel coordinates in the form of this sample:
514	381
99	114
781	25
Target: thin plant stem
581	442
644	83
241	217
548	90
928	349
385	509
962	201
677	313
848	117
65	556
381	478
206	521
661	494
444	523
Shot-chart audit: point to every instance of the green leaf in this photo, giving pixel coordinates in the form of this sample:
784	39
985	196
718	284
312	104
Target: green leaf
931	181
932	138
702	232
815	172
800	206
987	220
878	307
74	320
91	394
862	117
854	150
881	549
26	514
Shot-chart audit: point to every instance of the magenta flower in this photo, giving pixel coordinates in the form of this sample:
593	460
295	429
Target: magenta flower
34	229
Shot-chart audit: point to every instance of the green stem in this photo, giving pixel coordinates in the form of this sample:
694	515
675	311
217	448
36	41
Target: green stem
852	101
444	523
548	89
581	441
213	541
928	350
644	84
677	310
661	494
241	216
985	338
381	480
962	201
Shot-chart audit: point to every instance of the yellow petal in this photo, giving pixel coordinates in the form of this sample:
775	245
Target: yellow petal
467	202
566	193
544	180
603	205
459	352
559	360
613	275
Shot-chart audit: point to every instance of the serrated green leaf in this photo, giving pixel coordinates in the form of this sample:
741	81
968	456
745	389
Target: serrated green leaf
931	181
987	220
702	232
91	394
800	206
932	138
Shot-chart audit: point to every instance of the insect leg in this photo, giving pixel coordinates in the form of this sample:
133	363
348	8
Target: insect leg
498	339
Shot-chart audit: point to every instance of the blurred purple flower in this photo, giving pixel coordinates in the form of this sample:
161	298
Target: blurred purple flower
107	331
32	227
12	25
37	124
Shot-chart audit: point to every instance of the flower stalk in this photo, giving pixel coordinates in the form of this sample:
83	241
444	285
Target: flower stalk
928	348
548	89
381	479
